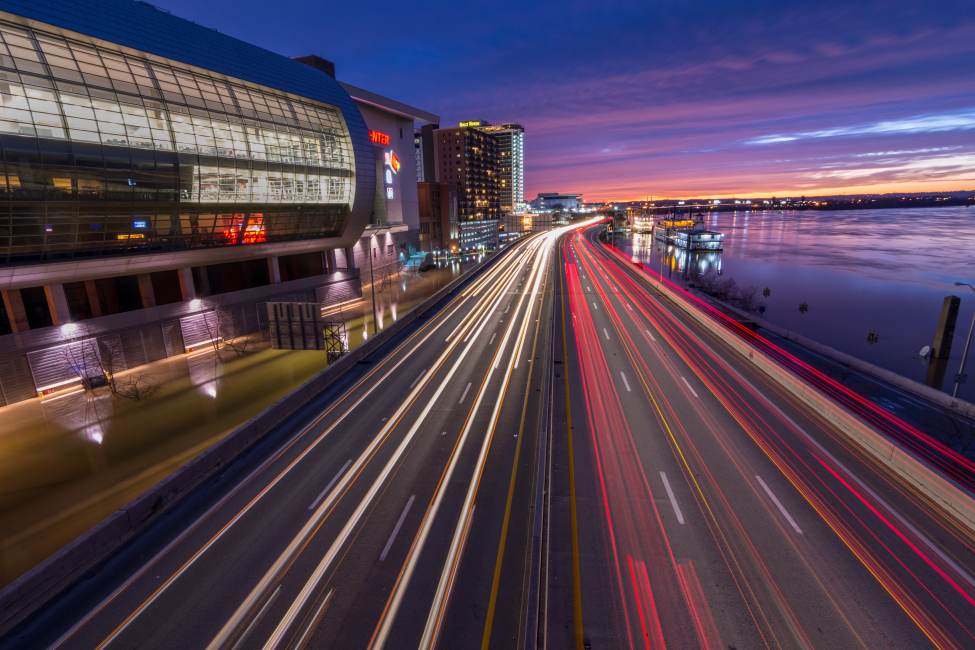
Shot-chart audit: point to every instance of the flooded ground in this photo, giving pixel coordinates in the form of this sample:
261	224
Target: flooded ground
69	460
867	282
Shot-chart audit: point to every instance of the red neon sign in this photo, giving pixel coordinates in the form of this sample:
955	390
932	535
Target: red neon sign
378	137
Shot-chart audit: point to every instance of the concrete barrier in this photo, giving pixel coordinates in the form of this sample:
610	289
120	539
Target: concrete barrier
28	593
941	492
942	399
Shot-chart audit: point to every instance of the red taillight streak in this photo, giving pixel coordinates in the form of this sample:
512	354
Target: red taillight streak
751	418
933	450
610	435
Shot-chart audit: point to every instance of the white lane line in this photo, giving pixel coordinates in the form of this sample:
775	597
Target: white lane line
595	306
399	524
321	495
313	623
650	334
673	499
492	337
506	309
778	504
689	387
625	383
464	395
486	282
254	621
850	474
418	378
315	577
605	333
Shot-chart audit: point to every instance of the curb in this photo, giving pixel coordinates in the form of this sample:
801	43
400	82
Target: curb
31	591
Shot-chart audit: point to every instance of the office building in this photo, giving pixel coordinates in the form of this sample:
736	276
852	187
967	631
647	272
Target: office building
156	171
466	159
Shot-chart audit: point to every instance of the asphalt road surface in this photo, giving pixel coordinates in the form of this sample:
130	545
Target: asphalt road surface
560	458
714	509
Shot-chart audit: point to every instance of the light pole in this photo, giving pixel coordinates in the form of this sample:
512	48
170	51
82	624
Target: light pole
372	289
960	377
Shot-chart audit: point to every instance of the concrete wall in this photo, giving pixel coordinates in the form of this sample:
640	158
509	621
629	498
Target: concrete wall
144	328
403	207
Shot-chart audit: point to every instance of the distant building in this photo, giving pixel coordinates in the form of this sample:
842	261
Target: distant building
556	201
423	149
438	217
477	235
511	165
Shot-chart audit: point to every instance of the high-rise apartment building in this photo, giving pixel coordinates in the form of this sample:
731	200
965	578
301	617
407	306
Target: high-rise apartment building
511	165
467	159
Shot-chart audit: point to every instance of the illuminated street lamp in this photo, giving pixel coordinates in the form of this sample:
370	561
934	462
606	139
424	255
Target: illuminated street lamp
960	377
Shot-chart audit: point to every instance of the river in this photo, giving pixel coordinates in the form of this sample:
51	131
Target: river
867	282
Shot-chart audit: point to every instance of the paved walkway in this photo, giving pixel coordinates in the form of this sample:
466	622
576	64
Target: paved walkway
70	459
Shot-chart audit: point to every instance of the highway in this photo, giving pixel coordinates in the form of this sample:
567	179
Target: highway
403	515
720	511
561	457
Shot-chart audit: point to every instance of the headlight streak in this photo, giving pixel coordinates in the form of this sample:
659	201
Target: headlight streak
492	301
540	257
753	424
397	357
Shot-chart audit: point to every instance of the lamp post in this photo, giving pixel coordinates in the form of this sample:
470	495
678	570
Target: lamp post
960	377
372	289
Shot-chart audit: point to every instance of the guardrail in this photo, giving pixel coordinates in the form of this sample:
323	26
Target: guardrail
31	591
947	497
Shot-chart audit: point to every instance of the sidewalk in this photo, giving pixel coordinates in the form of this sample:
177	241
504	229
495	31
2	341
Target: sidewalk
70	459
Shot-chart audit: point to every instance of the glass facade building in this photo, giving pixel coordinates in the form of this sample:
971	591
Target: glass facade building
126	130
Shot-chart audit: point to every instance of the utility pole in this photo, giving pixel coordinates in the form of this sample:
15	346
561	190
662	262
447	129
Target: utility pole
960	377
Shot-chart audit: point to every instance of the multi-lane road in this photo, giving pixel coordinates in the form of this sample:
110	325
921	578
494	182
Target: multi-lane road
560	457
403	515
722	512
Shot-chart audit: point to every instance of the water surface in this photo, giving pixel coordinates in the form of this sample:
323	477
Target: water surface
872	281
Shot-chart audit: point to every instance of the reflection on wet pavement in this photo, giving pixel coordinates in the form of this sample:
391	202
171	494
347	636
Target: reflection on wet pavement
69	460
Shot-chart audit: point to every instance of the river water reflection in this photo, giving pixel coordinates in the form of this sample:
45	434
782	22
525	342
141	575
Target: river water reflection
857	272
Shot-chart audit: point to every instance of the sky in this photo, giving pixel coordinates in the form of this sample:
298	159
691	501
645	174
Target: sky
627	99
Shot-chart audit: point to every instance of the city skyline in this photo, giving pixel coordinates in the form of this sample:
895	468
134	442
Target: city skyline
813	98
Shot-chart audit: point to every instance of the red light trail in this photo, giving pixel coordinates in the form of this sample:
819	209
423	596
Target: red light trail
923	575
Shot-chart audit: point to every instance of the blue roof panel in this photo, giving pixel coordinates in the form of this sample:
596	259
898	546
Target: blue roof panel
142	26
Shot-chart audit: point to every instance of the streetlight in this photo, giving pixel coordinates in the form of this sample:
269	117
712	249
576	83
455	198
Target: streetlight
960	377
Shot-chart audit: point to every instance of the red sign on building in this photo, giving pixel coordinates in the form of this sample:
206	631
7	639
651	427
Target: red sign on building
378	137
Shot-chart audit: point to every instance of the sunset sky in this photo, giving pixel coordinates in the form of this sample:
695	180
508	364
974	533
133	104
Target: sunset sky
627	99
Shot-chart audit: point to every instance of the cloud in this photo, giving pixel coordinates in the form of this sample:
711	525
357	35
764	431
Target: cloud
955	121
